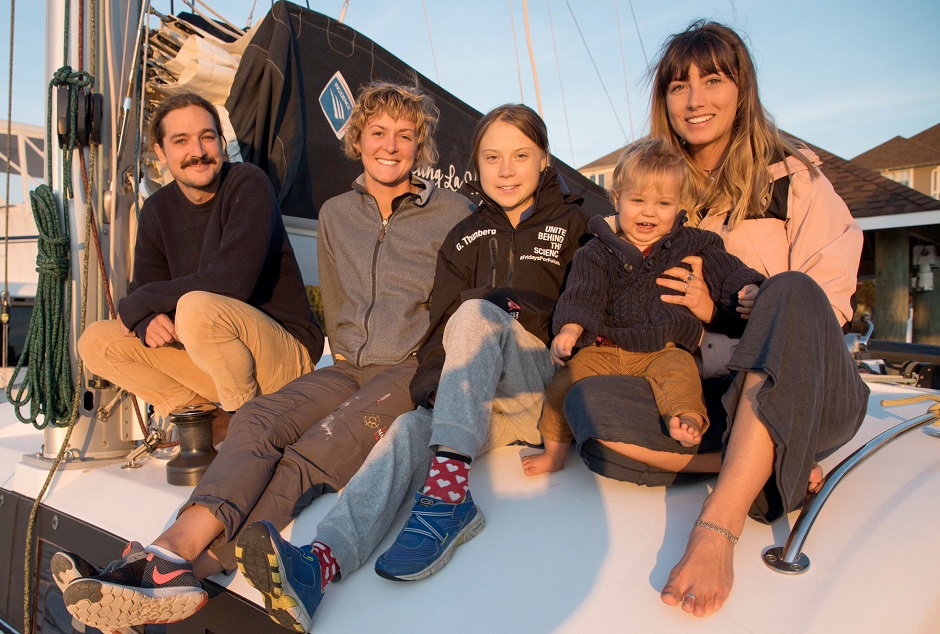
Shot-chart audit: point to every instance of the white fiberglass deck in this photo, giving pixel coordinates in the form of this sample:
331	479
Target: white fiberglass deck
573	552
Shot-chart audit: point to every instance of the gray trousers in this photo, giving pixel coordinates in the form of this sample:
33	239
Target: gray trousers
285	449
490	394
812	402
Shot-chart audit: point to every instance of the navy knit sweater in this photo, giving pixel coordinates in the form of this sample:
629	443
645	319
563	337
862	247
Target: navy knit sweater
612	291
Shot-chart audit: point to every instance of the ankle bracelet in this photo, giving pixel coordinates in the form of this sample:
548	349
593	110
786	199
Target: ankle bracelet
721	530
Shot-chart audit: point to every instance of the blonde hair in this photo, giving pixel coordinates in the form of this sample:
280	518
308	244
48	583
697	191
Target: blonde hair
651	159
398	102
741	177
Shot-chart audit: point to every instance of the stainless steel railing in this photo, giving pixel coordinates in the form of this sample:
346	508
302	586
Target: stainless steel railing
790	559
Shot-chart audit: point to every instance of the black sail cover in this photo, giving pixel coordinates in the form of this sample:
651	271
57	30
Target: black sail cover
292	96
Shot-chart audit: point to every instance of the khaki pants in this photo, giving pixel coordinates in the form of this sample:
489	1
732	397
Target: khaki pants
671	373
228	353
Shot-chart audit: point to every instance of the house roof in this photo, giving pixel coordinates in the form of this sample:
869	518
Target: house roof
608	160
929	137
866	192
899	153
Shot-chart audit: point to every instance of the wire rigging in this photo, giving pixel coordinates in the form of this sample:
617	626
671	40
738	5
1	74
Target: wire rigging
564	105
5	298
594	64
427	25
639	35
515	48
623	63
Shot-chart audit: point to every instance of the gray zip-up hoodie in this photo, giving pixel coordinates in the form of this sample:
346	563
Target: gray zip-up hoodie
375	277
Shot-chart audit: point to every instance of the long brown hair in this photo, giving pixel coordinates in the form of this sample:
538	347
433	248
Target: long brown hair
518	115
742	178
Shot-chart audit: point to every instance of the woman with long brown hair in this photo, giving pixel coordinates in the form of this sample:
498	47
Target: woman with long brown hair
783	393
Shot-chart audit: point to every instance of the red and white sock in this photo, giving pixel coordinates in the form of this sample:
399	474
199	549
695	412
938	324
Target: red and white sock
328	566
448	477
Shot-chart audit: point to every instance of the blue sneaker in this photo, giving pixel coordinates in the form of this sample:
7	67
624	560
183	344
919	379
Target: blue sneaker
287	576
429	538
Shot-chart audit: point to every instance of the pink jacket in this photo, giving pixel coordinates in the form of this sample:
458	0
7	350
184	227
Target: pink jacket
819	238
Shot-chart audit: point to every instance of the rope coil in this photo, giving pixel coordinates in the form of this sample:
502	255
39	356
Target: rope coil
47	387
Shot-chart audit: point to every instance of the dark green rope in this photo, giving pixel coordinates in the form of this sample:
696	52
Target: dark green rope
47	387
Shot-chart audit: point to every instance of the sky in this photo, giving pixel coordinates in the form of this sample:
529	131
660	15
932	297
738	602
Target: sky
843	75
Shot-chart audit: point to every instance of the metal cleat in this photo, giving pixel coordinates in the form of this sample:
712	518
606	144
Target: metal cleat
148	446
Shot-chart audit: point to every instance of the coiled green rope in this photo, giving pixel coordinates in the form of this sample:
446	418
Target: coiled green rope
48	388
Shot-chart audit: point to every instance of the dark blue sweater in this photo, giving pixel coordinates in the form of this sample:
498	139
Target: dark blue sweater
233	245
612	291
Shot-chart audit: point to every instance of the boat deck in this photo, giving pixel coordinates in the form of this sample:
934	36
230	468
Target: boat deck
574	552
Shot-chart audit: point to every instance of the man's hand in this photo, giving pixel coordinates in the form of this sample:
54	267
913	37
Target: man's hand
161	332
125	331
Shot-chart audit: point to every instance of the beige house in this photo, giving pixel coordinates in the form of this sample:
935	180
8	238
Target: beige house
914	162
602	170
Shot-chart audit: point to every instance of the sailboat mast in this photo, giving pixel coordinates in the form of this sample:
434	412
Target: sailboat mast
535	72
90	438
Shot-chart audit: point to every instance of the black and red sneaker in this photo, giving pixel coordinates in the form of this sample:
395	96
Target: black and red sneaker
142	588
67	567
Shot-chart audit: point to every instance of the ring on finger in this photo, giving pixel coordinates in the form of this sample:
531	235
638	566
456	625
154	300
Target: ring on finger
690	277
688	595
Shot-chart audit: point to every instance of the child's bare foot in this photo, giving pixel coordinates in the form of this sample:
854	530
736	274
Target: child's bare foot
545	462
815	479
701	581
686	428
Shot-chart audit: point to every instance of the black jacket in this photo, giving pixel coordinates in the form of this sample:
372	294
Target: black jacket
485	257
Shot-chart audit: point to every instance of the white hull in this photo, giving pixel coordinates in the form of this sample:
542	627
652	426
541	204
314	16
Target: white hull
574	552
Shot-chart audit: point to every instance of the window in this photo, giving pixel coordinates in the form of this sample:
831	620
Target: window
904	177
935	182
600	180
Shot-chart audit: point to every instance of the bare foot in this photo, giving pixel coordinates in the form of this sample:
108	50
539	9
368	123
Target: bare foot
701	581
543	463
686	428
815	479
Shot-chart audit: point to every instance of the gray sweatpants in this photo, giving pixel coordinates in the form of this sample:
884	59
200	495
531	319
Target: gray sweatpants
490	394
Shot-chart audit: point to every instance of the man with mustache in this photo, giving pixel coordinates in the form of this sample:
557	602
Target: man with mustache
216	311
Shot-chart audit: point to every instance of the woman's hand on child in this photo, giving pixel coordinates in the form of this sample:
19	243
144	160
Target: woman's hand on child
693	291
746	297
